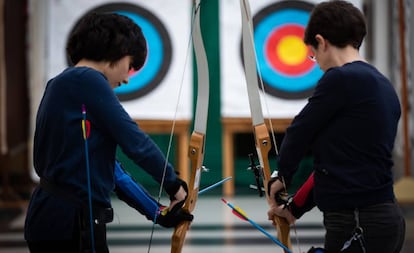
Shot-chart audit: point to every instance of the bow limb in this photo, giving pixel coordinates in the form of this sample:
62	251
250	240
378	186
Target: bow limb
261	133
197	140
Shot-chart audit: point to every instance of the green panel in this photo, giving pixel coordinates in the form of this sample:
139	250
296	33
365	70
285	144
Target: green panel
213	148
138	173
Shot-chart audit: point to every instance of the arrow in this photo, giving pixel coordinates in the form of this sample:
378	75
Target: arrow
214	185
242	215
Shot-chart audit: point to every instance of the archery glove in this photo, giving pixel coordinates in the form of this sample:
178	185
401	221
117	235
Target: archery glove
173	188
171	218
281	197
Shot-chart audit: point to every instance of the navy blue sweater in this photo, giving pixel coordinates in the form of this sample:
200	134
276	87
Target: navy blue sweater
59	153
349	125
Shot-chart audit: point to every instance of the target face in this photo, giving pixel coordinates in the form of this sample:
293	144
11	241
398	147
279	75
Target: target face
285	67
159	56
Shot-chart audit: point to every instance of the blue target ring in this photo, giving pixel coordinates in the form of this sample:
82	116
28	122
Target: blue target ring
275	26
159	46
154	61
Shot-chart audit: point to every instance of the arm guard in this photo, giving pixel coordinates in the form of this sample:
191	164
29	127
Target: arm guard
132	193
303	200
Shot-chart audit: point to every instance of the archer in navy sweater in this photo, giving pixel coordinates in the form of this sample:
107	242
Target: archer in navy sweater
349	125
104	48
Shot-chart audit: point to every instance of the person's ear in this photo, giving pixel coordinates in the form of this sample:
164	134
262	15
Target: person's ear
322	42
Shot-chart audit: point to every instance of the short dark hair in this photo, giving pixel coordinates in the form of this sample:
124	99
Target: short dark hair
107	37
340	22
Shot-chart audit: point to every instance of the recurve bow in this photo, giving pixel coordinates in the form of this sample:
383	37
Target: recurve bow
262	139
198	136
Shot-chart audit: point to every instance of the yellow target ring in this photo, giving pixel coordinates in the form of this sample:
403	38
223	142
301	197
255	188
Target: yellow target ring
291	50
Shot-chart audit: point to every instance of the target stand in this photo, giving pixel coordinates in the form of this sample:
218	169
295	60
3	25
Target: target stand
181	130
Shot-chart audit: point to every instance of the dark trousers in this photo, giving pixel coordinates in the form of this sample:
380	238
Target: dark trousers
79	243
383	229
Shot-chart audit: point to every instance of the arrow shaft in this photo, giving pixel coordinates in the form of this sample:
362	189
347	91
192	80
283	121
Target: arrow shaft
239	211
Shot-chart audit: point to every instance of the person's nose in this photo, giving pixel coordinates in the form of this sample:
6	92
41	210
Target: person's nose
125	80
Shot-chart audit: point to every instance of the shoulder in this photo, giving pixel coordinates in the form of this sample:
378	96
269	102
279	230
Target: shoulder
80	73
87	73
85	78
348	74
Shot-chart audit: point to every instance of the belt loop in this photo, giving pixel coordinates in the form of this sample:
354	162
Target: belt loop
356	216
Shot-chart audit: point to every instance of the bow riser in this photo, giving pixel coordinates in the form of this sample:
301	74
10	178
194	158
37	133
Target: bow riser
196	155
263	146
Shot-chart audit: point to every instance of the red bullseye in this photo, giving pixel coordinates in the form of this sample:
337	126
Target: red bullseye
286	51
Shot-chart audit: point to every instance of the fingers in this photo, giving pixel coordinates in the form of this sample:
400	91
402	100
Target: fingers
280	211
274	188
172	218
180	196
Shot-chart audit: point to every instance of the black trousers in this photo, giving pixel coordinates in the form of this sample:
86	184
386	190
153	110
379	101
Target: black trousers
383	228
79	243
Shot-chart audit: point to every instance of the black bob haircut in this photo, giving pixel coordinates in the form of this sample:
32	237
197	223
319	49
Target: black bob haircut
340	22
107	37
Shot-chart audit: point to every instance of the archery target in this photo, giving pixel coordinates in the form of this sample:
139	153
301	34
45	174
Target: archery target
289	76
159	50
153	91
285	67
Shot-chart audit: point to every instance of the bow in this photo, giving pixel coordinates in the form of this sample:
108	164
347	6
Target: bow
197	140
261	133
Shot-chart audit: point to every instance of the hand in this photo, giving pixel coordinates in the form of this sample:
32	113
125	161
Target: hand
169	218
281	211
274	187
177	190
278	209
179	196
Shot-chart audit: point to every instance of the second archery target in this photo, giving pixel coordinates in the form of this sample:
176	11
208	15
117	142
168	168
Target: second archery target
285	68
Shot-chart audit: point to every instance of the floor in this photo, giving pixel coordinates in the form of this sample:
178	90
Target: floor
214	229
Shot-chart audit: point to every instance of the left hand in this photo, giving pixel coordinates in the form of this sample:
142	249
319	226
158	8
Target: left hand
276	209
281	211
169	218
274	188
179	196
177	191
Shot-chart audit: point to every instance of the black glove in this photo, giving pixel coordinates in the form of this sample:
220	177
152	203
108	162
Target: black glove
173	188
281	197
171	218
269	184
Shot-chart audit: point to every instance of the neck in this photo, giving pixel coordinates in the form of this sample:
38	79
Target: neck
97	65
341	56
